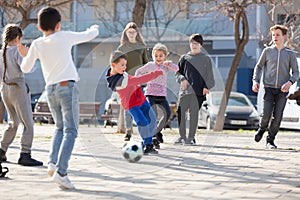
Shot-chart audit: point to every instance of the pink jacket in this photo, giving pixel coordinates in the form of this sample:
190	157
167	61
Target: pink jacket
158	86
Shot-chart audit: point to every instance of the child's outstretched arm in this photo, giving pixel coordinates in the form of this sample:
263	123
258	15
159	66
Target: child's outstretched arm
137	80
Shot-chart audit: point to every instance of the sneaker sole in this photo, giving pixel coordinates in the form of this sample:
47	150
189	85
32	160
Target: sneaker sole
63	186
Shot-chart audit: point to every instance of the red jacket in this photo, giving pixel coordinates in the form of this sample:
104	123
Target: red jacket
129	89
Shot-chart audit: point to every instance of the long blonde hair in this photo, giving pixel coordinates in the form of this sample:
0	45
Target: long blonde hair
139	37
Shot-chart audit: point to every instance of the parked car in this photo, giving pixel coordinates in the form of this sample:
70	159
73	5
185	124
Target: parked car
240	112
291	116
291	113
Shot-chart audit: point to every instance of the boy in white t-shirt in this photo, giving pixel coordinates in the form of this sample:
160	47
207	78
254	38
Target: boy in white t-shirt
54	52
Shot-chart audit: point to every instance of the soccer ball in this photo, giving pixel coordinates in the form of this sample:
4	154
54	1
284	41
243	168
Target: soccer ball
132	151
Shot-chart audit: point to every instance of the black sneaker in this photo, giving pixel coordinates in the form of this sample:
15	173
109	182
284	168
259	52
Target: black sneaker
128	135
26	160
271	145
3	171
190	143
2	156
258	135
155	143
179	141
159	137
150	150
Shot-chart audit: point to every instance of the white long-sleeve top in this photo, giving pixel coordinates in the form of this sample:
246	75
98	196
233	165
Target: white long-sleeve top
54	53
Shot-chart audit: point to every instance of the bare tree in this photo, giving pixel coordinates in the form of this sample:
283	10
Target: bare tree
236	11
138	12
159	22
286	13
16	9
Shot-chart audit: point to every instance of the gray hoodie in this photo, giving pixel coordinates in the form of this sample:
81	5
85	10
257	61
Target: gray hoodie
276	66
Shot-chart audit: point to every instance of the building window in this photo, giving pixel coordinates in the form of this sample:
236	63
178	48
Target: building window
155	10
85	12
123	10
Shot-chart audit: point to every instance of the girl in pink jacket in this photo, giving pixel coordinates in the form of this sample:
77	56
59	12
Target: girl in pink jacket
156	90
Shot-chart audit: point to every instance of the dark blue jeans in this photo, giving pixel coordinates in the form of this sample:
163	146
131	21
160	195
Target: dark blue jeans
145	119
274	101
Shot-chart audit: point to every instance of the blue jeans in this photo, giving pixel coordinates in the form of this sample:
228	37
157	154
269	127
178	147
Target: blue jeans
64	105
145	119
274	101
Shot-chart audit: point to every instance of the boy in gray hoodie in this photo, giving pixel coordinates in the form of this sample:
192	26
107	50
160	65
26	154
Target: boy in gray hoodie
275	63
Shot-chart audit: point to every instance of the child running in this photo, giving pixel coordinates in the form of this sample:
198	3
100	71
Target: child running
61	77
132	97
156	90
15	95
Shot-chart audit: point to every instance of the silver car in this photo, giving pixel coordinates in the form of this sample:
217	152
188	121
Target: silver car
240	112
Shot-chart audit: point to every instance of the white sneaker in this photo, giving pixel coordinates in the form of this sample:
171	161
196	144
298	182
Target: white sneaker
62	181
51	169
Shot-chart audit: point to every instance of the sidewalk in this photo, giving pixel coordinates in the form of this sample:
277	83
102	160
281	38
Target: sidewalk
228	165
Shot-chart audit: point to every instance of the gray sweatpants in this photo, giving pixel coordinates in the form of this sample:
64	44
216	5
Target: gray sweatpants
189	103
17	102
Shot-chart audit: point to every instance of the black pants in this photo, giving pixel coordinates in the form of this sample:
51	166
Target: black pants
162	103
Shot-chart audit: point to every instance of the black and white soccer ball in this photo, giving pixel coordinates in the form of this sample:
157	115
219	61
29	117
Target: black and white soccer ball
132	151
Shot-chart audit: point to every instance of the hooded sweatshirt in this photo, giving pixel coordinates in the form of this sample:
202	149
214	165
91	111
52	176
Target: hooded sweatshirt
197	70
276	65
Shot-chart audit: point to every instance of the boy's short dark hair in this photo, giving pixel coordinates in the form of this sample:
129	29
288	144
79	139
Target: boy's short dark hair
48	18
196	37
116	56
283	29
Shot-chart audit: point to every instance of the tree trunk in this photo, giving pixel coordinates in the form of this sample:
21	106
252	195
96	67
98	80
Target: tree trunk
240	42
138	12
121	123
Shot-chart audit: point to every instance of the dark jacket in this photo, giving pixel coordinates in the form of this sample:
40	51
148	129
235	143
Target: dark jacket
197	70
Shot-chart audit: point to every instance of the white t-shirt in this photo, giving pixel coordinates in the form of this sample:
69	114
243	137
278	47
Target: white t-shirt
54	53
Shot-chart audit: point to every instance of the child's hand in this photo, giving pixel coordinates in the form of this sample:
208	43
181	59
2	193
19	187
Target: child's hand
167	63
183	85
205	91
95	26
286	87
22	50
255	86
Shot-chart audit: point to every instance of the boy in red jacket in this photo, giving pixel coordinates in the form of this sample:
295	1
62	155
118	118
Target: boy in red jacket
132	97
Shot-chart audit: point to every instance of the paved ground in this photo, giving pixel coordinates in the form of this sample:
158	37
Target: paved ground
228	165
